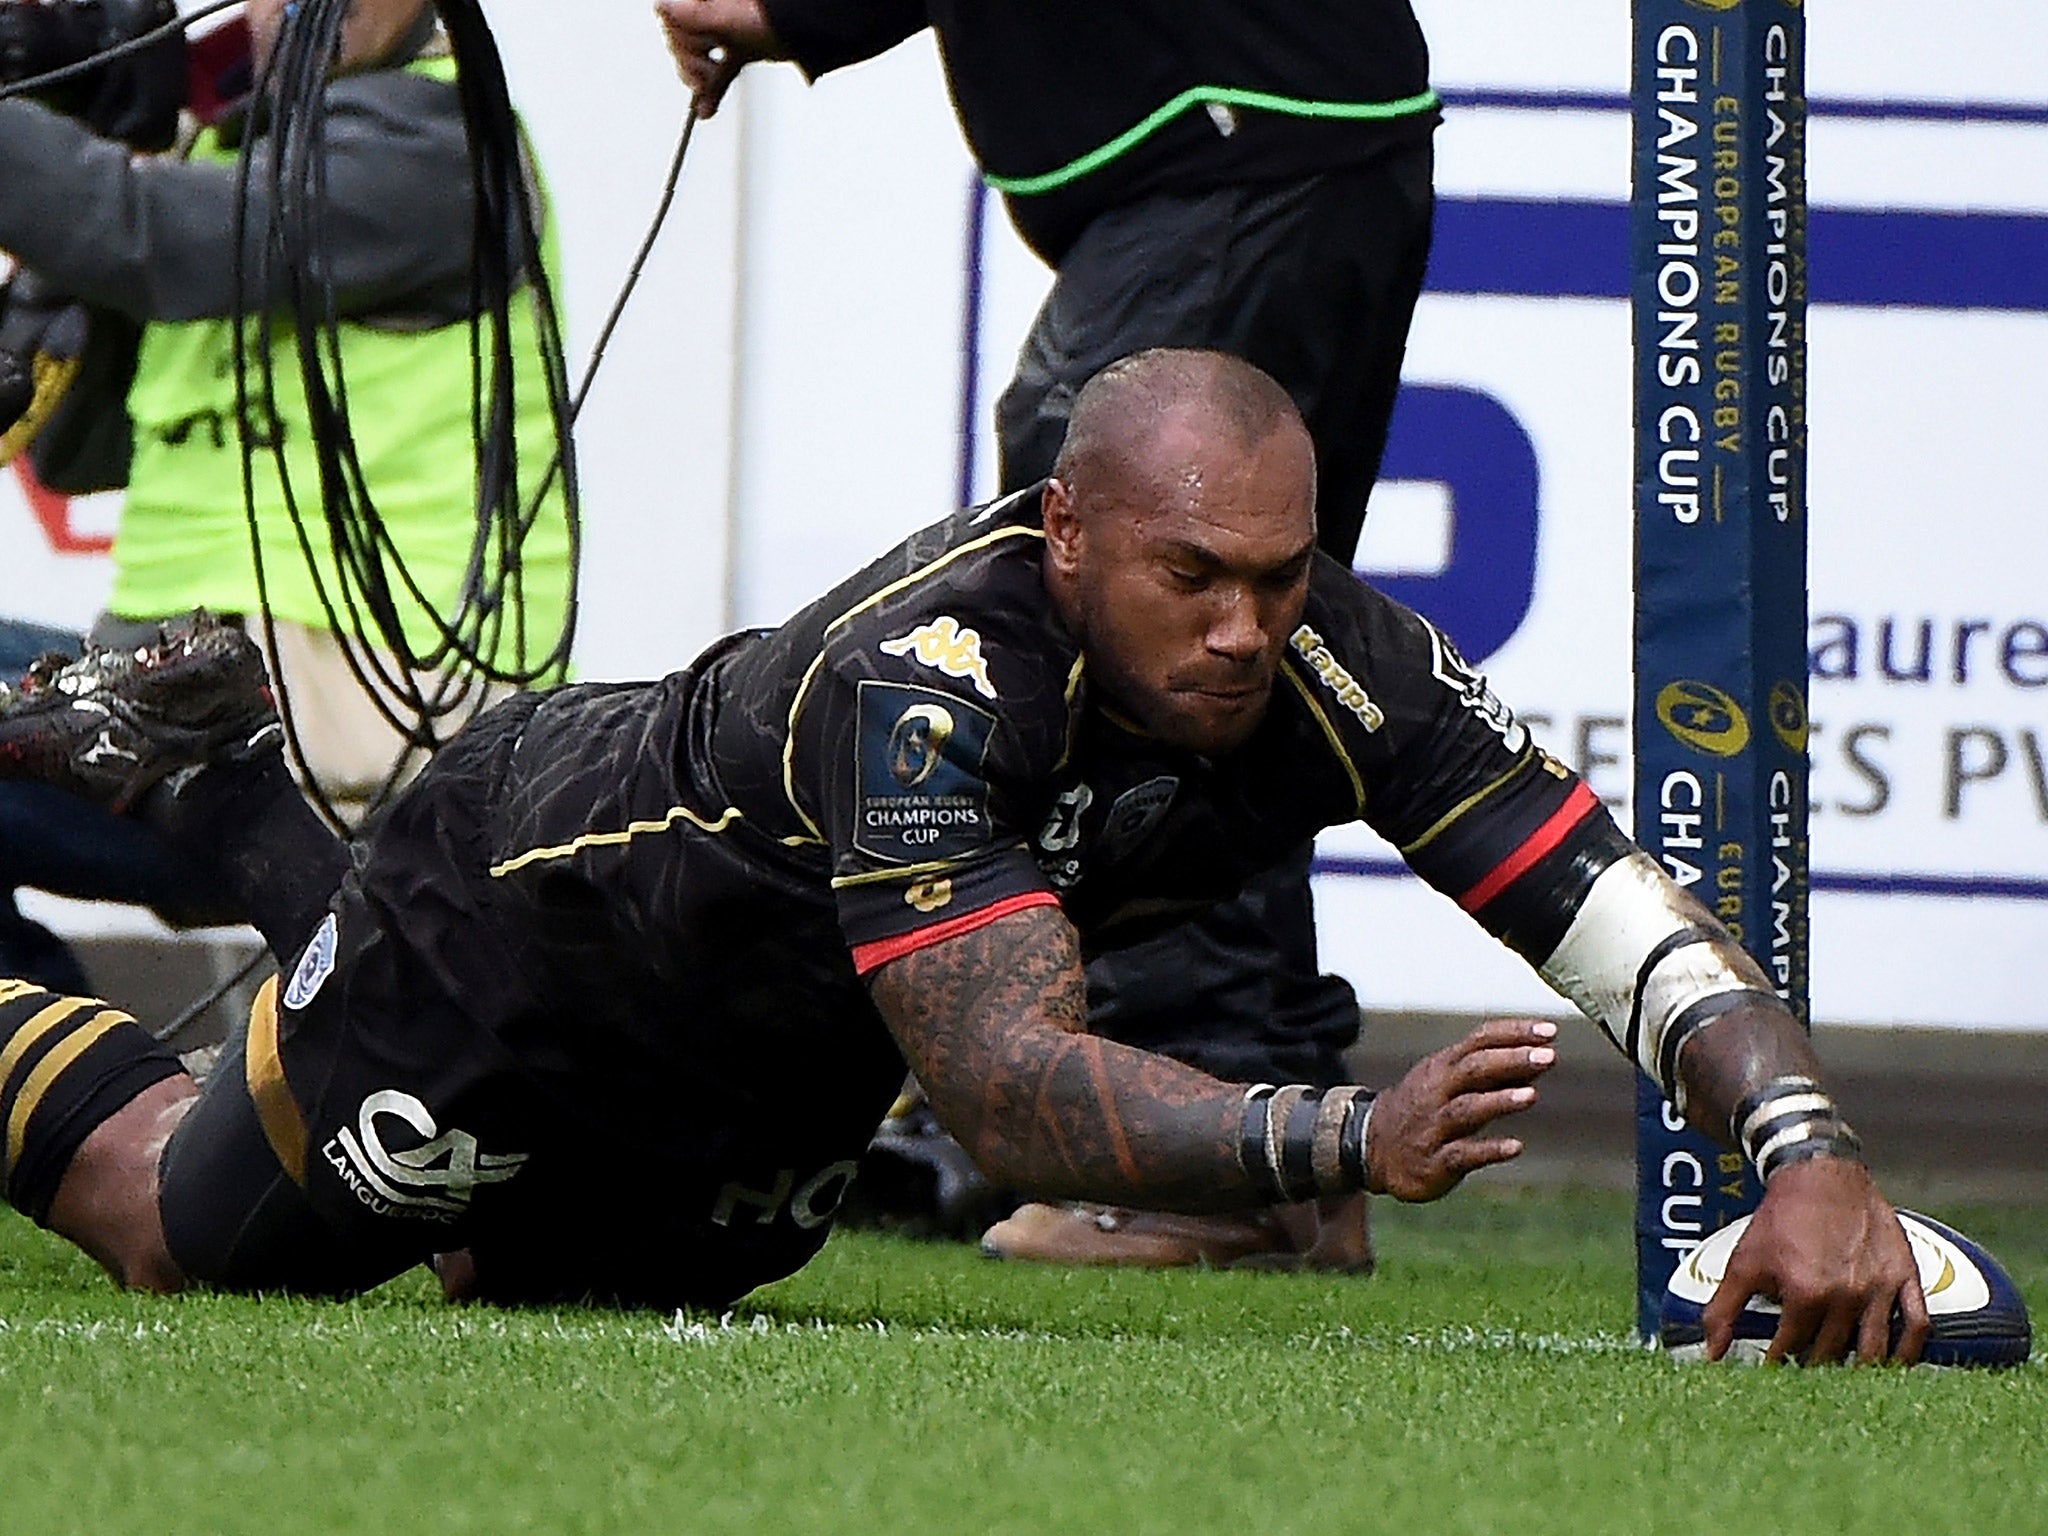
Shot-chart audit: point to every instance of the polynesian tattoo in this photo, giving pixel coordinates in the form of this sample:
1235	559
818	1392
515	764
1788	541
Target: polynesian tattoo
994	1024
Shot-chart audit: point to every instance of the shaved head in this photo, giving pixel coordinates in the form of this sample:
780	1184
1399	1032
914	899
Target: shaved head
1114	432
1180	531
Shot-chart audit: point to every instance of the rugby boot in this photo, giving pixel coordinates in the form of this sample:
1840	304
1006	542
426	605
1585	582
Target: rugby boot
113	723
1332	1235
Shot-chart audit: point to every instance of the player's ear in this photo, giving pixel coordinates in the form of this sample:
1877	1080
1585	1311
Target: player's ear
1062	527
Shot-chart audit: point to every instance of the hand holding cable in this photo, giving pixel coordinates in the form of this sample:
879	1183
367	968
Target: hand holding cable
713	40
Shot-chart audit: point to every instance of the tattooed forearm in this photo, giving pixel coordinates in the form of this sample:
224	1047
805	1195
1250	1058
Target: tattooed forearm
994	1024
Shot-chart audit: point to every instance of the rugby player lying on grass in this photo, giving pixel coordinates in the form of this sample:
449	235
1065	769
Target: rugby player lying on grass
612	999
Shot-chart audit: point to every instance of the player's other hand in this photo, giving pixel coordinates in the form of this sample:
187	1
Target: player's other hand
712	40
1428	1130
1829	1249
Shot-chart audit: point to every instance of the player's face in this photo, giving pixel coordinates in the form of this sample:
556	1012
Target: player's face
1188	591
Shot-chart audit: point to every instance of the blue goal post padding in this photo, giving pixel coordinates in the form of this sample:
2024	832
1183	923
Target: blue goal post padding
1718	287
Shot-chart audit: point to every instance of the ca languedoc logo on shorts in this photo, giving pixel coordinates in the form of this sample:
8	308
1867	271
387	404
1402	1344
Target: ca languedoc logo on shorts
432	1181
945	647
1703	717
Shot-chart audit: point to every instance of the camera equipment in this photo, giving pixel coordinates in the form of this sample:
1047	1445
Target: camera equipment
134	98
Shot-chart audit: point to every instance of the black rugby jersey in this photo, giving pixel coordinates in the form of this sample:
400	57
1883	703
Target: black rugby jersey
920	752
1074	107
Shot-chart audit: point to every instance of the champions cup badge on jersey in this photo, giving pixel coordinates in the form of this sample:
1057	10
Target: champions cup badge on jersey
316	964
922	793
945	647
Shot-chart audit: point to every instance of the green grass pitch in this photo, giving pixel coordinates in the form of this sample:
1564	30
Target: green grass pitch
1483	1382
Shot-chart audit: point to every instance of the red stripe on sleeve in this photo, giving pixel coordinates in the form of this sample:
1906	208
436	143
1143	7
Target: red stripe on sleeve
869	957
1578	805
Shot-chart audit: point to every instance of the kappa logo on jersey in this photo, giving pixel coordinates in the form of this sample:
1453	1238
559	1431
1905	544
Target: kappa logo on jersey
1135	813
433	1181
1458	675
315	965
945	647
923	796
1333	675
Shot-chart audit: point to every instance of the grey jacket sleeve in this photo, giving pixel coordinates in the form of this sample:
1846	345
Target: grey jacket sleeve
153	238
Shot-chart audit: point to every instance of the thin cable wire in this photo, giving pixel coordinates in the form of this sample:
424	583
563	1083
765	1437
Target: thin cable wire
166	1033
417	688
465	648
632	282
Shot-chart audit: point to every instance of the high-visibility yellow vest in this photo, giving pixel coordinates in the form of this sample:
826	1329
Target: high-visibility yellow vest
184	535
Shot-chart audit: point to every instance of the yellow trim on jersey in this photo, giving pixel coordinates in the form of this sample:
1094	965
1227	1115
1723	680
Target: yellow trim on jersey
631	830
49	1069
1073	687
880	595
929	867
284	1126
902	872
1329	731
796	704
1529	756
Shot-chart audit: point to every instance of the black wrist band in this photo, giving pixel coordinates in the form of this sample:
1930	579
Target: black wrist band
1251	1140
1351	1145
1299	1143
1789	1120
1297	1146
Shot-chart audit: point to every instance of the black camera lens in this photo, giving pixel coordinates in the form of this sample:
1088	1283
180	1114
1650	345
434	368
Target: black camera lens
38	36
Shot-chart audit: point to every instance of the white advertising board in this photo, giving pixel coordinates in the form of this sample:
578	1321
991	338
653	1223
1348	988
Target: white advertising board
807	373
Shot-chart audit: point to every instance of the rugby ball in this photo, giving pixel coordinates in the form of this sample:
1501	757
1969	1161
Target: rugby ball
1978	1317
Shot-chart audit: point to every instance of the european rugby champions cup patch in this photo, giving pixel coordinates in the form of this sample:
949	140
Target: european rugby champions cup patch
923	796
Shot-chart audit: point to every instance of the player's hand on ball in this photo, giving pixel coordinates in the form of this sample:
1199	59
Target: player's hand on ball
1428	1130
1828	1248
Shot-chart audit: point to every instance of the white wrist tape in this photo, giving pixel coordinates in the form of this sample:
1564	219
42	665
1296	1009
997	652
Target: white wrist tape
1636	962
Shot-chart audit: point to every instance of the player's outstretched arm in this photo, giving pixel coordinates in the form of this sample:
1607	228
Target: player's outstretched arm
1676	992
994	1024
1825	1242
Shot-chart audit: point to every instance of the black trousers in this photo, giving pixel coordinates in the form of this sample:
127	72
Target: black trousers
1315	281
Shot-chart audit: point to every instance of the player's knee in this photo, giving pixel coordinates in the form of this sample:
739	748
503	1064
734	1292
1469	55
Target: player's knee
108	1199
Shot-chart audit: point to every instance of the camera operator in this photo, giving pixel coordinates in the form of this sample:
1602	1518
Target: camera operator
146	243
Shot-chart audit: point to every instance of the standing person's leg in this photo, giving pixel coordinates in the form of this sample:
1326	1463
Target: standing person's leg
1316	283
